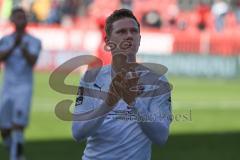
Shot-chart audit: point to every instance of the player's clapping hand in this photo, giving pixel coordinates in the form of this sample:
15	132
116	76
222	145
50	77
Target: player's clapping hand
23	47
130	90
124	86
18	39
115	89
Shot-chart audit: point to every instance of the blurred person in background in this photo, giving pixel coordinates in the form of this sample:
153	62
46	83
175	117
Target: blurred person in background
203	11
151	19
70	9
41	8
237	10
101	52
219	11
83	8
55	13
19	51
32	17
172	14
108	137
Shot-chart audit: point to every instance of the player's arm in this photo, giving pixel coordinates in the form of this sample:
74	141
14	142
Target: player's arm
86	128
160	113
157	129
100	108
83	129
31	59
30	53
154	115
5	52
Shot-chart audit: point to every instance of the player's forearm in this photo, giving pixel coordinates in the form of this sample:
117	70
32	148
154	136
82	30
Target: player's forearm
5	54
84	129
156	120
157	132
31	59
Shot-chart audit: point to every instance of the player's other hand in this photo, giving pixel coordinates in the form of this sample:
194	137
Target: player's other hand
130	90
115	90
123	86
18	39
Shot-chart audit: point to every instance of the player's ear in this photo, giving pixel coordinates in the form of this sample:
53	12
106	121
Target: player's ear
106	39
139	40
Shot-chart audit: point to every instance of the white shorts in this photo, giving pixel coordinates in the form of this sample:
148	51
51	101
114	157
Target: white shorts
15	107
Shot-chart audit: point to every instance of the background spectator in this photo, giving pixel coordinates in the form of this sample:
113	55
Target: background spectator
172	13
41	8
55	14
152	19
237	10
203	12
219	11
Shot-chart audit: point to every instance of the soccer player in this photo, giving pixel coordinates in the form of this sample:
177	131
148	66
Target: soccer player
124	124
19	52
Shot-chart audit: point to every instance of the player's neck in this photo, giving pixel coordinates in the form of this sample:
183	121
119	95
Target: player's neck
131	58
20	30
119	62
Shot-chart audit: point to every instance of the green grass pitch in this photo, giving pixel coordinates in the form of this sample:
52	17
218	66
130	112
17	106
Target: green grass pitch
210	129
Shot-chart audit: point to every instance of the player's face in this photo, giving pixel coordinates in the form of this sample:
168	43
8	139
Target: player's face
126	35
19	19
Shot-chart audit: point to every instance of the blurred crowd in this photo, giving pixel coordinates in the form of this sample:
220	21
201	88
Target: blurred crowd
46	11
219	11
201	15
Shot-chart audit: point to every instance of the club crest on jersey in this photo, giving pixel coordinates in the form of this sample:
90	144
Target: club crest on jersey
79	99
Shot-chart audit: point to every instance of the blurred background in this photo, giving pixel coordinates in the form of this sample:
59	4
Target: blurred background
197	40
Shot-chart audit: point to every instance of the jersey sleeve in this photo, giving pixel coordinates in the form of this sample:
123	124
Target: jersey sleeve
5	44
83	103
157	108
156	117
84	129
35	47
162	108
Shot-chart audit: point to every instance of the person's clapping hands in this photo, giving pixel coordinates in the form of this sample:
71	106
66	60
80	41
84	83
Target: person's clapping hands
124	86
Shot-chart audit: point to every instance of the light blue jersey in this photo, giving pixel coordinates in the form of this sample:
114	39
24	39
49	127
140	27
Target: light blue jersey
121	134
17	71
16	91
